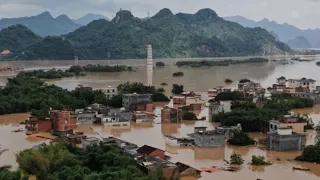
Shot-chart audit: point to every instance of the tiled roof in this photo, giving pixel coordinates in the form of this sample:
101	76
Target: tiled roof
147	149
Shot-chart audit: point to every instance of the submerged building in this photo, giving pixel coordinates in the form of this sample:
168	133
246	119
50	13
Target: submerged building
136	102
285	140
208	139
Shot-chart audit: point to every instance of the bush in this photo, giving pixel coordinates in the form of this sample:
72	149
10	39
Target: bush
228	81
176	74
177	89
190	116
259	161
310	153
160	64
241	139
163	84
245	80
236	159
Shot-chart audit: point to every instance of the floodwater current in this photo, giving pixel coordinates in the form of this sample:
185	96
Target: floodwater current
195	79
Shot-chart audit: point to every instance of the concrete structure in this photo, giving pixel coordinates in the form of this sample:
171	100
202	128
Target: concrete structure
63	120
181	100
230	129
117	118
89	141
110	91
142	116
82	87
216	107
131	101
33	125
149	65
287	121
285	140
170	115
208	139
304	83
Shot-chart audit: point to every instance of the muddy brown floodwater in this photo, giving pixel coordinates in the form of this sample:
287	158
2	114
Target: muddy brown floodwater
195	79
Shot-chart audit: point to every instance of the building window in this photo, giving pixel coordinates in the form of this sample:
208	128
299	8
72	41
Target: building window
113	90
125	125
271	126
275	127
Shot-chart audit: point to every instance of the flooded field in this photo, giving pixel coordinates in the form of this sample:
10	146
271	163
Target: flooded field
195	79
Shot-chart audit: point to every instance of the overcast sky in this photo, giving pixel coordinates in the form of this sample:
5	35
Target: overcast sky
301	13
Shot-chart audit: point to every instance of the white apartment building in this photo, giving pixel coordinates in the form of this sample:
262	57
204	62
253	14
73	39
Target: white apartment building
110	91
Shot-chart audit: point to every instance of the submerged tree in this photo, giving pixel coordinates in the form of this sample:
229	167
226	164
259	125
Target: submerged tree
236	159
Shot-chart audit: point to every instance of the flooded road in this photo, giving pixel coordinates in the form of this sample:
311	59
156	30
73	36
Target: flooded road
195	79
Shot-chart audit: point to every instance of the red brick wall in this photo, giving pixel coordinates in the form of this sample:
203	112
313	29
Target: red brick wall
44	126
63	121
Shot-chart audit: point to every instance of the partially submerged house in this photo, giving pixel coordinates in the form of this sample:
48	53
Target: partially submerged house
171	115
185	170
151	165
151	152
136	102
284	122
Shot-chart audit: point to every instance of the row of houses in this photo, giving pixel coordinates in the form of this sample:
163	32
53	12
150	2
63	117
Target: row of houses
149	159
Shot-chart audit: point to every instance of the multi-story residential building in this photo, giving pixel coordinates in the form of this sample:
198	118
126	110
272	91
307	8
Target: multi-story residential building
137	102
171	115
117	118
310	84
283	139
63	120
110	91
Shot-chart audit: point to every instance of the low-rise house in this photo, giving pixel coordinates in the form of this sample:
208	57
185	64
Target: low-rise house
151	152
185	170
216	107
208	139
136	102
213	92
188	94
126	146
86	116
4	53
117	118
110	91
89	141
181	100
285	140
143	116
151	165
34	125
171	115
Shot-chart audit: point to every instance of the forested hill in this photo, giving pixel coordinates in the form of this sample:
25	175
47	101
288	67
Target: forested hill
203	34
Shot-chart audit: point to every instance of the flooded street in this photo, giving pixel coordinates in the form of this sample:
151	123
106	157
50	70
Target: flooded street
195	79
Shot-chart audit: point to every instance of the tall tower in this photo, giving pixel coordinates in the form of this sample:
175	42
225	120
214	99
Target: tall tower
76	60
149	65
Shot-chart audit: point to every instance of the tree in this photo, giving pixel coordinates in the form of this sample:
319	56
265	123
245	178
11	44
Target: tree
177	89
160	64
228	96
241	139
259	161
310	153
189	116
236	159
245	80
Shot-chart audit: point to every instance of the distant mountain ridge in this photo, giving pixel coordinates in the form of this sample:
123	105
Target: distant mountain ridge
203	34
85	20
285	32
43	24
